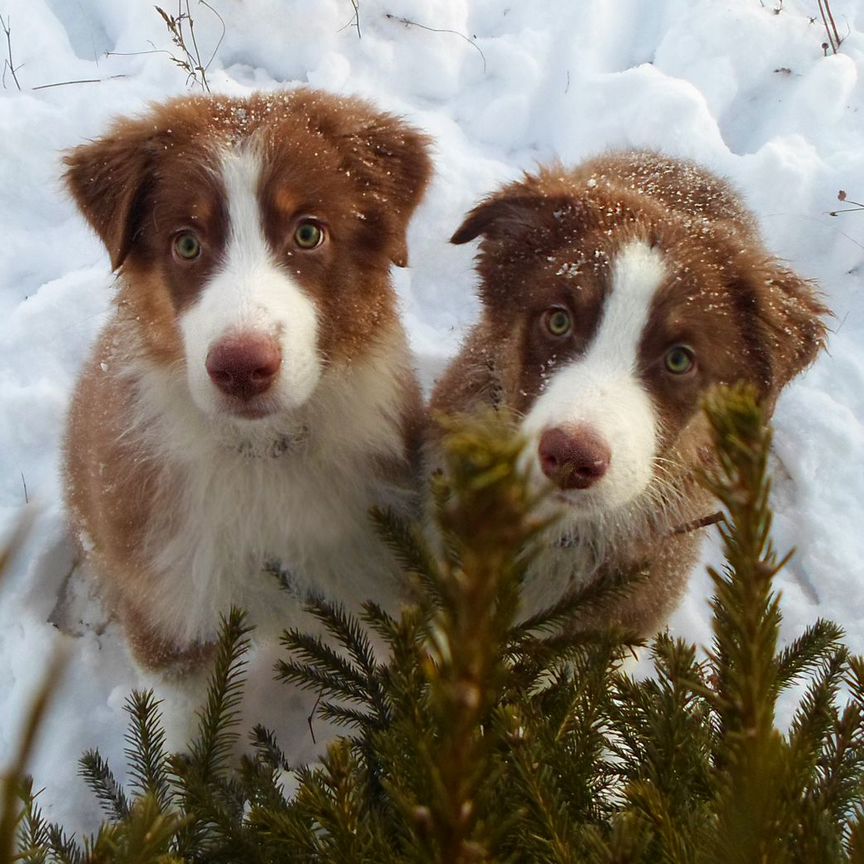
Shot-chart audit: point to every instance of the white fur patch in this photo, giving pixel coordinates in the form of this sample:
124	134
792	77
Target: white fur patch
294	488
250	294
602	390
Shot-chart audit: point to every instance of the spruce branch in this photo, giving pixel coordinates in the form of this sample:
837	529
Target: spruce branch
320	667
33	834
63	848
99	777
816	716
200	775
217	721
409	546
346	629
751	817
267	748
357	677
855	680
334	798
382	623
840	772
571	623
663	742
805	654
556	838
145	836
581	603
341	715
487	520
855	842
628	841
671	832
145	748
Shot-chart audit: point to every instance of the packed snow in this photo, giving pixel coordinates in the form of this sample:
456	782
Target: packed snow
743	86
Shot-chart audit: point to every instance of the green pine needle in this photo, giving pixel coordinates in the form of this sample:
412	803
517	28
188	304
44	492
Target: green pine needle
99	777
145	748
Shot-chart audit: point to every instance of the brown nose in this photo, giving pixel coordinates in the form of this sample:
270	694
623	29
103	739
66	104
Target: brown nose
244	365
573	459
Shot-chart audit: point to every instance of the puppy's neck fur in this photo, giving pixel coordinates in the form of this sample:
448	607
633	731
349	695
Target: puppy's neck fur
231	498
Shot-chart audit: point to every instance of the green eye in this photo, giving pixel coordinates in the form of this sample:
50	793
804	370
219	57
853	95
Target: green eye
557	321
187	246
679	360
309	234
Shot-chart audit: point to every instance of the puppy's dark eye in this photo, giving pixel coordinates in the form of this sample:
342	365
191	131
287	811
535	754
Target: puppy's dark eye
680	360
557	322
187	246
309	234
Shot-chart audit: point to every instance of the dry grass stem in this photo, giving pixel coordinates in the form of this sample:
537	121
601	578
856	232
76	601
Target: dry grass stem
407	22
8	63
834	39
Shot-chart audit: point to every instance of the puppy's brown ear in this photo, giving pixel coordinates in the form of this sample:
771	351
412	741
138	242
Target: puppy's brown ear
791	315
107	179
505	214
391	160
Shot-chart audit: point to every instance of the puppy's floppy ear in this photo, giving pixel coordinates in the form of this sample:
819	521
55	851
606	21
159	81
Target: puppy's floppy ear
107	179
790	316
505	214
391	160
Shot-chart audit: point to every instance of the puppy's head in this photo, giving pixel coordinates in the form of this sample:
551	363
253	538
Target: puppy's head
607	317
255	236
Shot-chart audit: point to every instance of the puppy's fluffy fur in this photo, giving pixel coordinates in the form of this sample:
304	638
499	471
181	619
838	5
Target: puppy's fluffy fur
252	395
614	296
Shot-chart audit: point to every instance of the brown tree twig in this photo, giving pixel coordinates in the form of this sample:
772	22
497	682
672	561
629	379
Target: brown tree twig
356	5
834	39
841	196
702	522
409	23
78	81
354	20
153	50
221	35
9	63
190	60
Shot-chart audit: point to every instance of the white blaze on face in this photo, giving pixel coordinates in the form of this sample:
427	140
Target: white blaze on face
250	294
602	391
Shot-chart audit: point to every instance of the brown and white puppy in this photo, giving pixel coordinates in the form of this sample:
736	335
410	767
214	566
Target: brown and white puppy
614	296
253	394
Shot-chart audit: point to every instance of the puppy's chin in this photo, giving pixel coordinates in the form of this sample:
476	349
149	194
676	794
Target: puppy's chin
276	406
249	411
272	434
572	508
267	423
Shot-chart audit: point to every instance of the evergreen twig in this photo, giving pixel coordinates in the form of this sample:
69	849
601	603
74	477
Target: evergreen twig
33	836
99	777
145	748
200	775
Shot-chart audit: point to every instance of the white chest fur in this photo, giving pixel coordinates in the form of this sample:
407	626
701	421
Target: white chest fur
231	499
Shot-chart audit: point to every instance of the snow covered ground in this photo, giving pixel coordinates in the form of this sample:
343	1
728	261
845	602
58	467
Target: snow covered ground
741	85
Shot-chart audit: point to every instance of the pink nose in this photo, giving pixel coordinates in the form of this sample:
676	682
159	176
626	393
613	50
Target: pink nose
573	459
244	365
